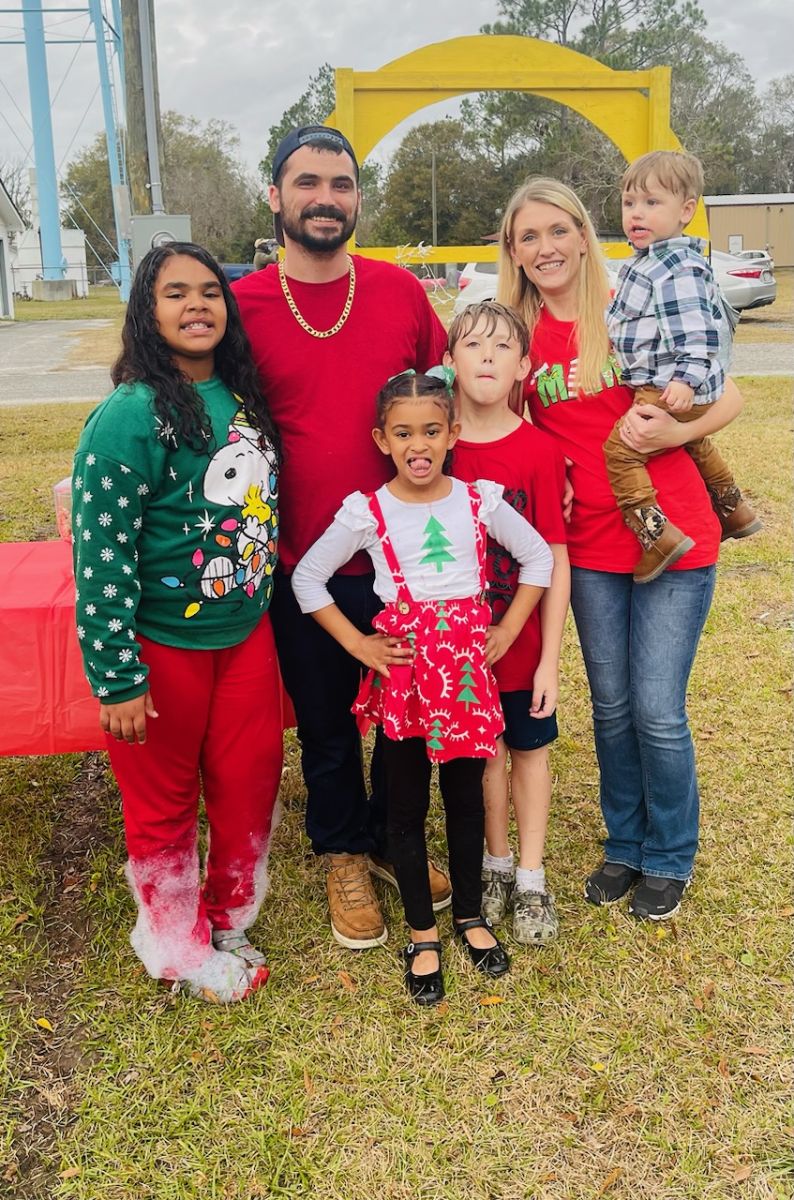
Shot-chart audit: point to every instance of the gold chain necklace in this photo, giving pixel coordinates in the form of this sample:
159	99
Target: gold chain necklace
304	324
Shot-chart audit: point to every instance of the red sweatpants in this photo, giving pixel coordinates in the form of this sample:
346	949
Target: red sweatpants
219	730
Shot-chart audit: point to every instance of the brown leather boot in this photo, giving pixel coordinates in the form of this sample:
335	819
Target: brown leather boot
356	920
737	518
662	542
440	887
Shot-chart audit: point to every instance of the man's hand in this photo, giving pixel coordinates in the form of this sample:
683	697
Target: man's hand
380	652
126	722
678	396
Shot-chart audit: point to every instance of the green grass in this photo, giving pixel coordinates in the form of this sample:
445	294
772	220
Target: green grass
100	302
625	1061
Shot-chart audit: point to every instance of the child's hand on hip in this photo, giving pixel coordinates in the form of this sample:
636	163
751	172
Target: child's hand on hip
126	722
381	652
498	641
678	396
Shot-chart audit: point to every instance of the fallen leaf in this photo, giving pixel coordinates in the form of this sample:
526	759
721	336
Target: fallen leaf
297	1132
347	981
698	1003
598	1066
747	958
443	1008
20	920
756	1050
210	996
788	911
611	1178
310	979
307	1082
70	1173
708	990
661	932
570	1117
43	1023
722	1067
551	1177
485	1000
742	1173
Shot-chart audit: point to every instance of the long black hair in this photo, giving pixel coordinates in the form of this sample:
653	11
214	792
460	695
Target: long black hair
147	358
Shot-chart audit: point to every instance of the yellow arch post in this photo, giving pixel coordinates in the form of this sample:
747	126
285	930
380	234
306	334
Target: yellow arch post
632	108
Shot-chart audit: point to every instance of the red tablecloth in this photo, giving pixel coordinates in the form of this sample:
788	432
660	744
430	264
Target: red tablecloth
47	707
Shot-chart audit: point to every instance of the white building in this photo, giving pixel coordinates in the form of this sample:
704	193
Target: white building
26	264
11	226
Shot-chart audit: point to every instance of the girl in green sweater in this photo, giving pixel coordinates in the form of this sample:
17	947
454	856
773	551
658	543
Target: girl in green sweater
175	529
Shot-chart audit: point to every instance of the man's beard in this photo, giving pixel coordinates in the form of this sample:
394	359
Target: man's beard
296	231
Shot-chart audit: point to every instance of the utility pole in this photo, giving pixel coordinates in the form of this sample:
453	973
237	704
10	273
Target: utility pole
144	136
43	148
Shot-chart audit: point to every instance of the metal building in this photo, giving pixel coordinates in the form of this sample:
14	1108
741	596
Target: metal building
754	222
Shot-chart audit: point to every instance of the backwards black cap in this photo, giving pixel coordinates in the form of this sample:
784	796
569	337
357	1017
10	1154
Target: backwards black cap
321	136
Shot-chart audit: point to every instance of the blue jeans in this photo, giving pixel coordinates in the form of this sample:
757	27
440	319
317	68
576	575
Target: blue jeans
639	643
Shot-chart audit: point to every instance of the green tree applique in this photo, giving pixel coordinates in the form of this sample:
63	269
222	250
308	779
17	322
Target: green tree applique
436	544
442	615
466	693
434	741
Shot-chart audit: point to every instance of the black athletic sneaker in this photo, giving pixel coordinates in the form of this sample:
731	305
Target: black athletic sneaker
610	882
657	898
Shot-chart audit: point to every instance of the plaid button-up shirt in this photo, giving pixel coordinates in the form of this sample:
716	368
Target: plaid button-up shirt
665	319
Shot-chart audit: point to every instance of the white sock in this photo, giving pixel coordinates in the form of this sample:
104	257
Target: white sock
492	862
530	881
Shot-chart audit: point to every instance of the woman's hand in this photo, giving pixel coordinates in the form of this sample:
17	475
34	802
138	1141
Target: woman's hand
126	722
650	430
380	652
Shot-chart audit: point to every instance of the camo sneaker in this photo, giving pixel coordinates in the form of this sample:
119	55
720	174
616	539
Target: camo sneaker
497	892
535	920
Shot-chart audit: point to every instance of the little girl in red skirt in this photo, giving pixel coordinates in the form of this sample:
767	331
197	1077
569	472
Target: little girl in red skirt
429	687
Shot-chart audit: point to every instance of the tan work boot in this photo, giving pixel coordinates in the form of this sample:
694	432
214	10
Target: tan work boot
737	518
662	542
440	887
356	920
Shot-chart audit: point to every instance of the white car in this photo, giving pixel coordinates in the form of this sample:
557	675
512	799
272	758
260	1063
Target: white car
744	283
760	256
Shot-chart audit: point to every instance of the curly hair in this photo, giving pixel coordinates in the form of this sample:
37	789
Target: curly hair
410	386
147	358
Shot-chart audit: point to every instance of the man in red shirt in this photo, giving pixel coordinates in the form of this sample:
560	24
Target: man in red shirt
327	330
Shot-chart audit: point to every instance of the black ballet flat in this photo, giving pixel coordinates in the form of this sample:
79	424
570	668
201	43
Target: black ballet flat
424	989
493	960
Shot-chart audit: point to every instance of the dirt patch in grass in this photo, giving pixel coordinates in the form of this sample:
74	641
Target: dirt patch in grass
47	1057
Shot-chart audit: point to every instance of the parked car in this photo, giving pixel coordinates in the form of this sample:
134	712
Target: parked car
234	271
744	284
477	282
761	256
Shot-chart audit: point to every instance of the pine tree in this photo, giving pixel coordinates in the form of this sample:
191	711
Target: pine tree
436	544
466	694
442	615
434	742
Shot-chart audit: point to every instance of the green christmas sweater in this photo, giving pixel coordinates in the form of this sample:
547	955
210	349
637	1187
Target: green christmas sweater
171	543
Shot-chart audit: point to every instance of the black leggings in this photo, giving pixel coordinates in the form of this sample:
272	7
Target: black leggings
408	798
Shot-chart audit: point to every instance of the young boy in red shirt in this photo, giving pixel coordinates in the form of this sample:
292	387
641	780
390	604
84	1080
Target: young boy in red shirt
488	349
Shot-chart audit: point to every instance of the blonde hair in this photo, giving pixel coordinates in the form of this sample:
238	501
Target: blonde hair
674	170
516	291
491	313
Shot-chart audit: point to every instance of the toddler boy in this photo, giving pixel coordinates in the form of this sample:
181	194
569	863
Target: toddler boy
671	330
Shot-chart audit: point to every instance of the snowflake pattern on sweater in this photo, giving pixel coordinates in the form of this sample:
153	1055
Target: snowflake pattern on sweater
169	542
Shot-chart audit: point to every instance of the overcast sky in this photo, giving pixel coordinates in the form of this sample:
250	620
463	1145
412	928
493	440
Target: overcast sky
245	61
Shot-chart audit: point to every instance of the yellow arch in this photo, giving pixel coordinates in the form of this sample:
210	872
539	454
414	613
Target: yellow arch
632	108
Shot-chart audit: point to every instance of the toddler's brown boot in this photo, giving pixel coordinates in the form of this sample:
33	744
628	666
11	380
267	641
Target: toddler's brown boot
737	518
662	542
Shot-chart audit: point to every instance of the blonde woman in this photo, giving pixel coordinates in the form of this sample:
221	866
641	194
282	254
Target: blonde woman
638	642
